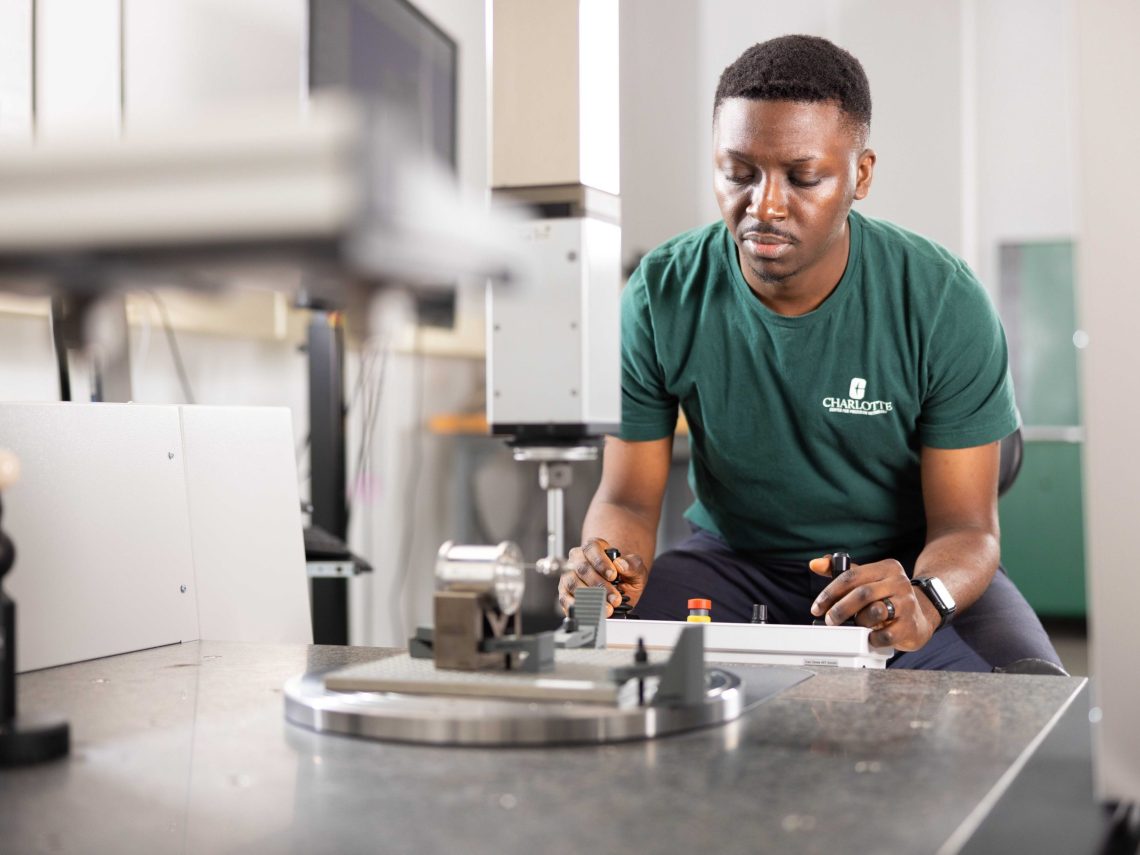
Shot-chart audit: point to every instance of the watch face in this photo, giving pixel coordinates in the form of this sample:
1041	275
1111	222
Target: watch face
941	592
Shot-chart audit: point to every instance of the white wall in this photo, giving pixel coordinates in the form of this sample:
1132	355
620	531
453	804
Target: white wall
661	128
913	55
973	112
912	58
1026	125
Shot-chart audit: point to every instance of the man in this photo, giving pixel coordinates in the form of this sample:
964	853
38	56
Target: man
845	383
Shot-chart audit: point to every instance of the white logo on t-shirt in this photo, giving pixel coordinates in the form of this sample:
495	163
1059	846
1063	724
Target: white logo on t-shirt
854	403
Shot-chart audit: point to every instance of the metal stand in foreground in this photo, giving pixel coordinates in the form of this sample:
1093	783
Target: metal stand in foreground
23	740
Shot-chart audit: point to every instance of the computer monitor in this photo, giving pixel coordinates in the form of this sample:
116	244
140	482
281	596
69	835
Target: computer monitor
389	50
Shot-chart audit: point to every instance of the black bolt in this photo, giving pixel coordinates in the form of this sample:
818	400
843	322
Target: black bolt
641	655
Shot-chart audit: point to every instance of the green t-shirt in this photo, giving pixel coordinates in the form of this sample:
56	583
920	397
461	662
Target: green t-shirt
805	432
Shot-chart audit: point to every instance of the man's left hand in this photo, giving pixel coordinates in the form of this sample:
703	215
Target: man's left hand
860	593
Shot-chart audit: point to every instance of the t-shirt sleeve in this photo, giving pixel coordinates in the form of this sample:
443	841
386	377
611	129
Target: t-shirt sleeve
648	410
969	399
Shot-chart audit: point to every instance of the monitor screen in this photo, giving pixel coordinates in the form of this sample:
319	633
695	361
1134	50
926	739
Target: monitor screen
390	50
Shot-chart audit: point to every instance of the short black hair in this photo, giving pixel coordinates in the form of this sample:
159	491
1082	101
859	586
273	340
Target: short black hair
799	68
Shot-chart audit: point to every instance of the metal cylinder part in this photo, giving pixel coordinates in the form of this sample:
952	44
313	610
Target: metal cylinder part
555	533
496	572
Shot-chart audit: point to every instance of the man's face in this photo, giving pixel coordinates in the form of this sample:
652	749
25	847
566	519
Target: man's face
786	173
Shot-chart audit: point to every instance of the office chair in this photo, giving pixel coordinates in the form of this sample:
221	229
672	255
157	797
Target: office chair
1012	450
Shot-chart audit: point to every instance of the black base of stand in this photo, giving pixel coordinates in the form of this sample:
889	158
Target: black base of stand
27	739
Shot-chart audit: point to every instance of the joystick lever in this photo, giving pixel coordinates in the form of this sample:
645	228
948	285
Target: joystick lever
840	563
620	611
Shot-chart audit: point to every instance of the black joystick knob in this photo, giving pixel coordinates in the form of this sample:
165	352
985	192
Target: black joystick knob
840	562
23	740
620	611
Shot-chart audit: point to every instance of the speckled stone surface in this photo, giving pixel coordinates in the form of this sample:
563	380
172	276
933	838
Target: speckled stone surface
186	749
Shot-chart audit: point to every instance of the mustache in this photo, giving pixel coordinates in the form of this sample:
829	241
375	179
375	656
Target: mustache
764	229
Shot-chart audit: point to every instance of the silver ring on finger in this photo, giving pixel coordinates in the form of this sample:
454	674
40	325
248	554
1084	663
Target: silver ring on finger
890	609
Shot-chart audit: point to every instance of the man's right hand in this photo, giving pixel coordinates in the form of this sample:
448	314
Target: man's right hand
590	566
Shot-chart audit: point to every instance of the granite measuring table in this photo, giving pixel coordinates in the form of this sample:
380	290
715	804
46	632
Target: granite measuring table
186	749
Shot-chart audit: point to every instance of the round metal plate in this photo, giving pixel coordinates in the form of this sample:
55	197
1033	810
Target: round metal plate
439	720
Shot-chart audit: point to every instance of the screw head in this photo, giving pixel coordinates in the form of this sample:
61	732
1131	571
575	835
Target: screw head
170	455
182	588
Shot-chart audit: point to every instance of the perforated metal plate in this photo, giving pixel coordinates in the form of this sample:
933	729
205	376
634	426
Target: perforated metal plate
579	675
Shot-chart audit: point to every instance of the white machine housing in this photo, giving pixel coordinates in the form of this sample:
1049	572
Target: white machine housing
553	352
759	643
553	344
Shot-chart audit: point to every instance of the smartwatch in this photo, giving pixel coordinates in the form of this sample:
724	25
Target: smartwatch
937	593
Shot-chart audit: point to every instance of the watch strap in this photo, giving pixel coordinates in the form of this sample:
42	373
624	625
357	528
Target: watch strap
945	611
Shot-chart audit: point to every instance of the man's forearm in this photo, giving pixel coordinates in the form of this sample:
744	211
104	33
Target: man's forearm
964	559
626	528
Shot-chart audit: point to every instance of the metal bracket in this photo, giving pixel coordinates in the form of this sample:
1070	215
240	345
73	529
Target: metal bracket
537	651
589	621
332	569
682	677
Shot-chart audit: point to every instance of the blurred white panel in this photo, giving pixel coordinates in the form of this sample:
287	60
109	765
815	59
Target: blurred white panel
27	359
101	531
78	81
15	69
249	558
182	55
1109	304
137	526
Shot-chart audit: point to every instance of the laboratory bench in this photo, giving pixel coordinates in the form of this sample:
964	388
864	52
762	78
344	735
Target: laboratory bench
186	748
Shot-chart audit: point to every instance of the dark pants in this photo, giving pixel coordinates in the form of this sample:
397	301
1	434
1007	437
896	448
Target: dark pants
998	629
